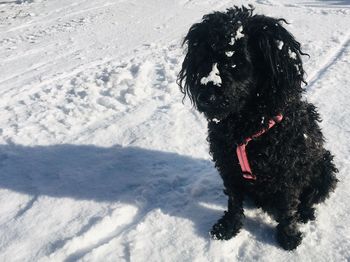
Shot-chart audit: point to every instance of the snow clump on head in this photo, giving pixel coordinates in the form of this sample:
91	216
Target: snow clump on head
279	44
229	53
214	76
292	54
238	35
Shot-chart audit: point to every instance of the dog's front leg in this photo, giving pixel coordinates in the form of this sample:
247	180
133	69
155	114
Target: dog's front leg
229	225
288	234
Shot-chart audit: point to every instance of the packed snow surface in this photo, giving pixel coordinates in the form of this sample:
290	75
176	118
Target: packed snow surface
101	161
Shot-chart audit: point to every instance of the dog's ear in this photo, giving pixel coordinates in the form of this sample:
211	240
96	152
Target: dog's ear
277	59
187	76
197	42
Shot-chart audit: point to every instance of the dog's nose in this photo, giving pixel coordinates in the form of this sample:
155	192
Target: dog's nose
206	99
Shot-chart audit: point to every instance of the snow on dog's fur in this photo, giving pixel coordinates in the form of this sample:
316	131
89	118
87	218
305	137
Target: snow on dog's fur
242	70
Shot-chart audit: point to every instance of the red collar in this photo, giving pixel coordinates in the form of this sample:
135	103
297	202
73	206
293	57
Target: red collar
241	151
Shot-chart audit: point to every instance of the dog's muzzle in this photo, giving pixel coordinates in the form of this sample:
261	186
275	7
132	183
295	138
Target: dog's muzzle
205	100
209	98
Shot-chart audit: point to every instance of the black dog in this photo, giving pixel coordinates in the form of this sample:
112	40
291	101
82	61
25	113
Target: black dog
245	73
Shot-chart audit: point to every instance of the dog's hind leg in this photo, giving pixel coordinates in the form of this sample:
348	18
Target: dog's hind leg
326	181
319	189
230	224
288	234
305	208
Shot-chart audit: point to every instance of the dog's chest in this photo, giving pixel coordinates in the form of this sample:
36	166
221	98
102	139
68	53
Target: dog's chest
262	152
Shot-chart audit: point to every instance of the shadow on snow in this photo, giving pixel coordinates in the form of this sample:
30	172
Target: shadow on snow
177	185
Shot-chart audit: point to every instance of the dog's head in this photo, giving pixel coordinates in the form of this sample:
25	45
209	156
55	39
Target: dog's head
239	61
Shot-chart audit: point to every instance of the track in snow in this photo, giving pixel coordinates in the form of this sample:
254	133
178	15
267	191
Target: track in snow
99	159
328	62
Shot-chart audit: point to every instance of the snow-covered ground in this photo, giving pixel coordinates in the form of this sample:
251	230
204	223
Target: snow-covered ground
101	161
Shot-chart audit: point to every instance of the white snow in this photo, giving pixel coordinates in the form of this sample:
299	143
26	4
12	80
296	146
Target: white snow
229	53
237	36
239	33
292	54
101	161
280	44
214	76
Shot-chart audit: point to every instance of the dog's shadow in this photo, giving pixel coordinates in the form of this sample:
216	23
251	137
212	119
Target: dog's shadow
177	185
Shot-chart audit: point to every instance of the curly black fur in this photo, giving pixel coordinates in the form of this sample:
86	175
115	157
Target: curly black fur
260	67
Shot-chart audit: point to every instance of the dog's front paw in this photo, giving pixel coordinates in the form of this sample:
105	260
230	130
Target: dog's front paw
288	238
227	227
